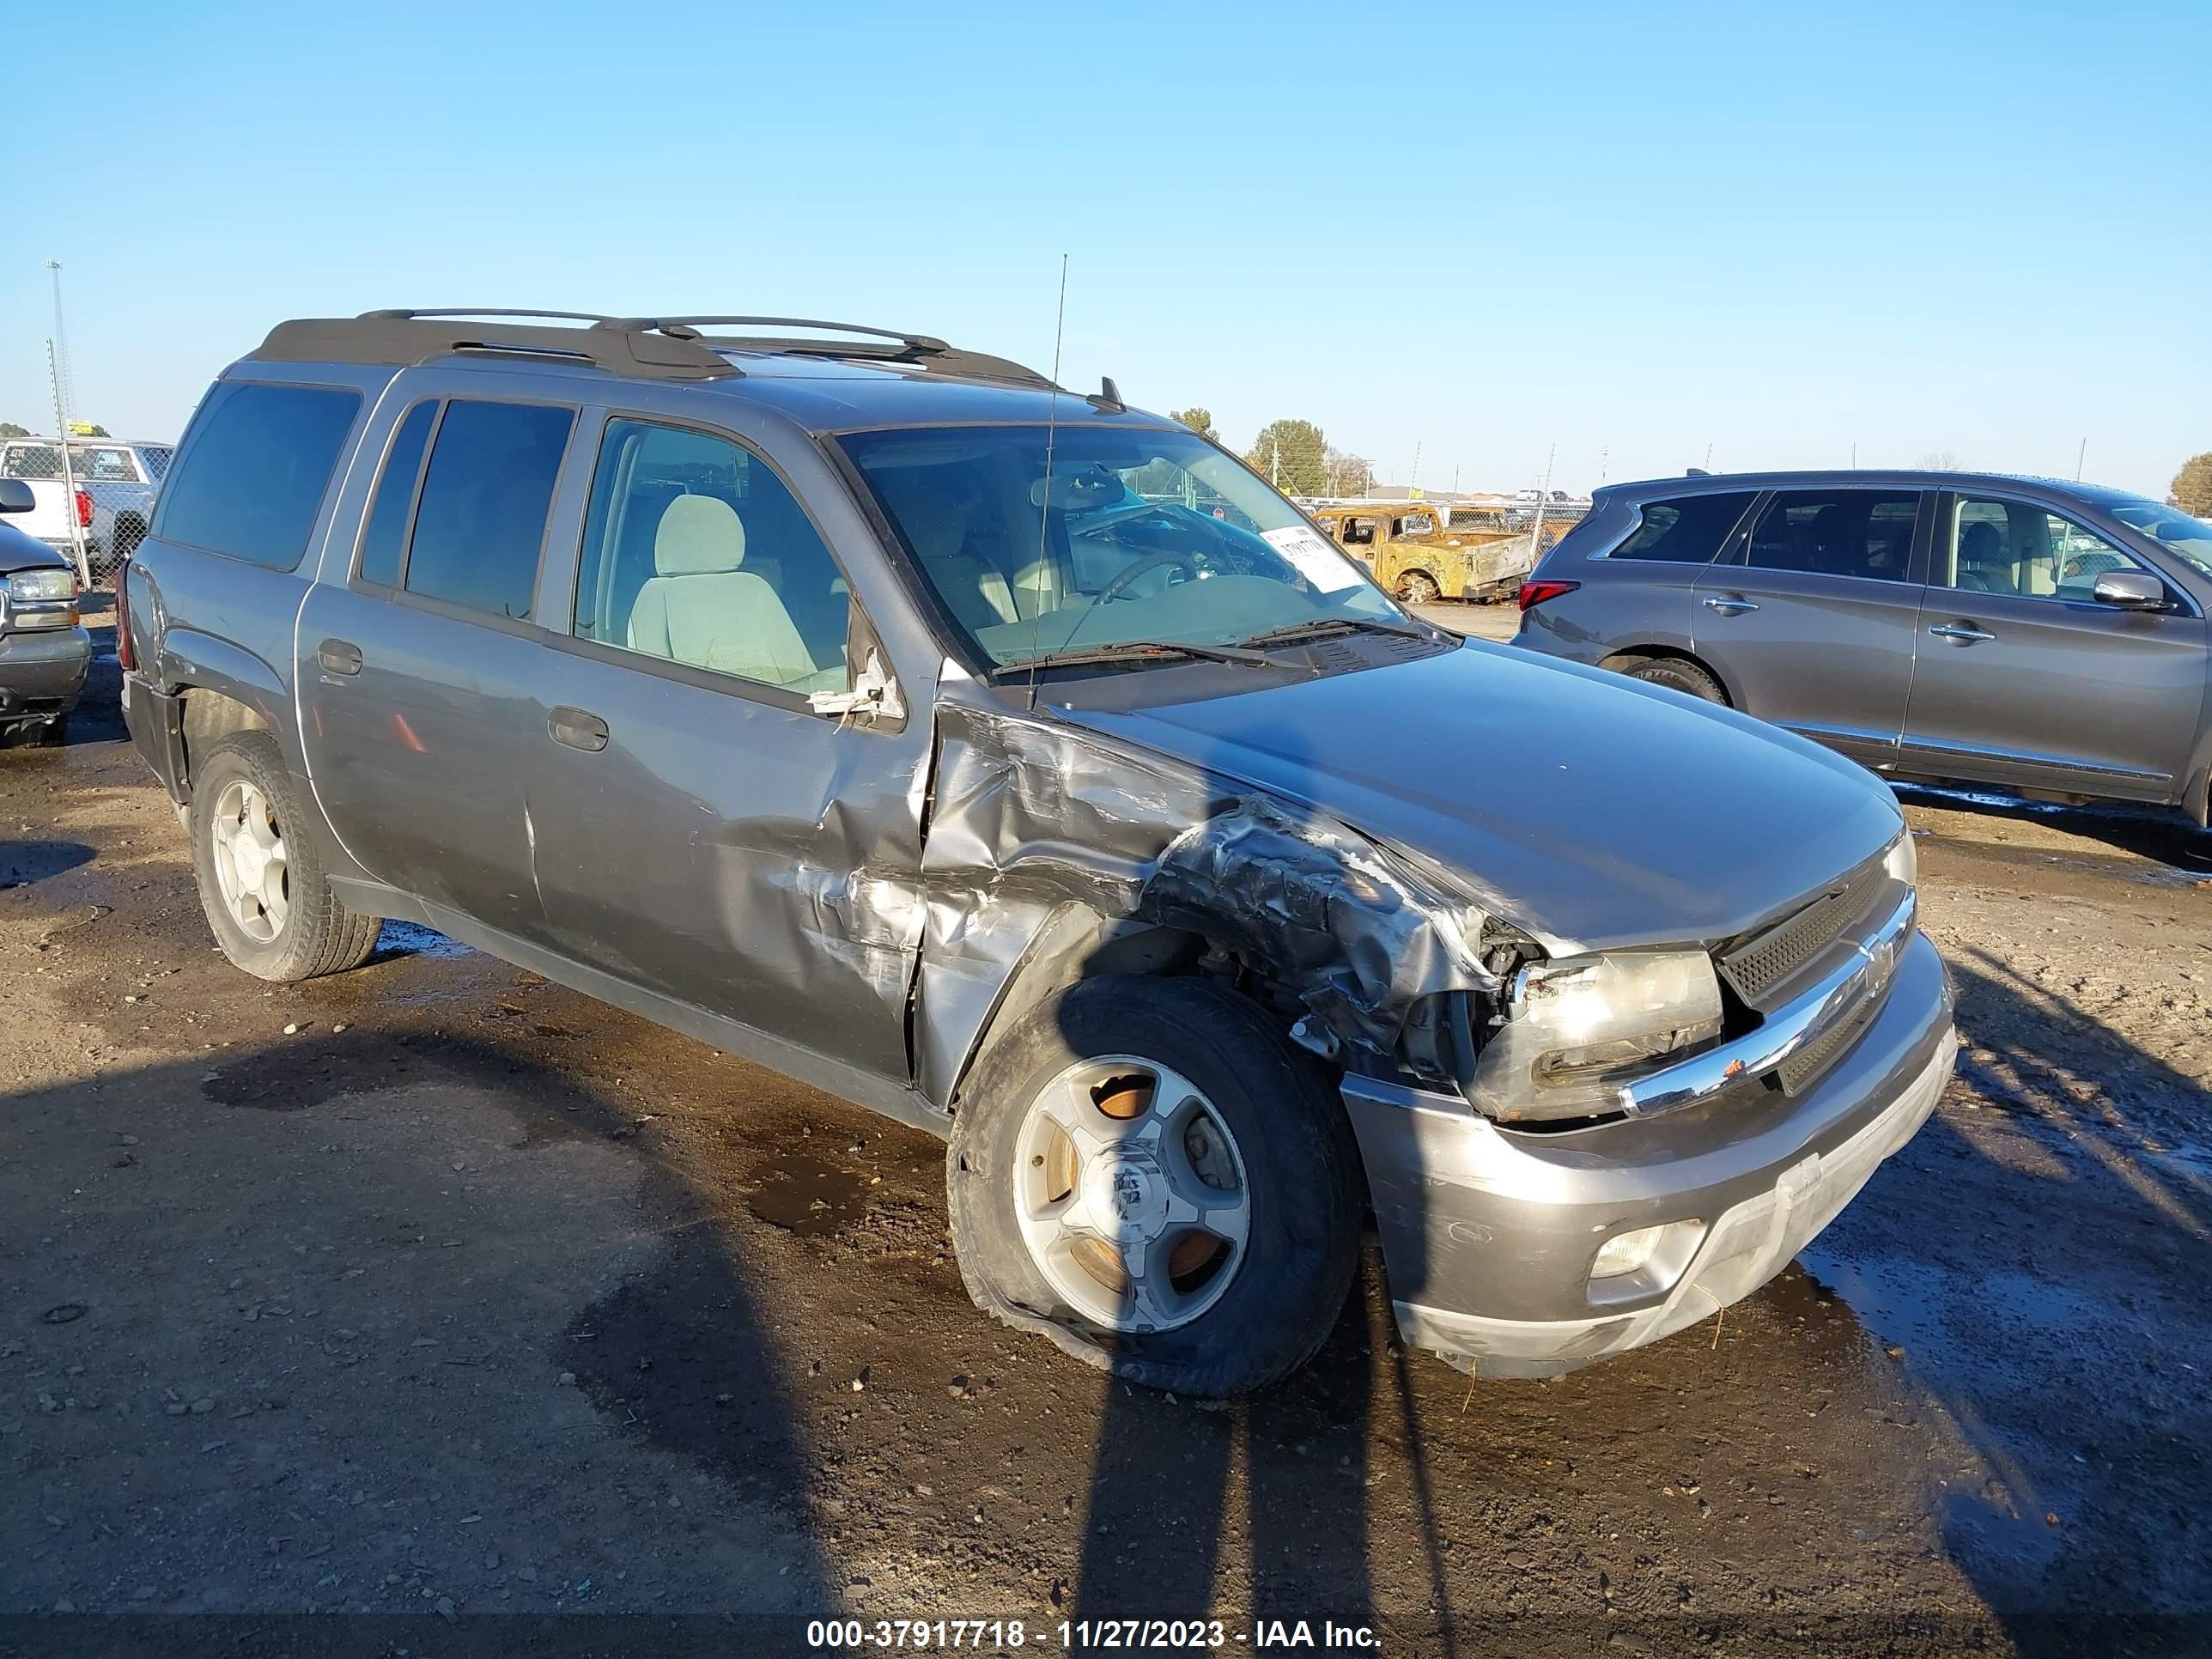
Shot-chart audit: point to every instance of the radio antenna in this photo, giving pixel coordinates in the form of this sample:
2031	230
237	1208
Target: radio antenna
1044	507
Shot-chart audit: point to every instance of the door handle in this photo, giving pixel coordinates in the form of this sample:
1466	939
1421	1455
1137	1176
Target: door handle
339	656
1729	605
1961	633
577	729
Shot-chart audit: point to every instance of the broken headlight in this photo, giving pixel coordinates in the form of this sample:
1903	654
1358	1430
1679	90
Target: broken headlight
1575	1028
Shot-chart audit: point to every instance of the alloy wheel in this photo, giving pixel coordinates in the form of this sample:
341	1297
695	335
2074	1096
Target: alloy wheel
1131	1193
251	866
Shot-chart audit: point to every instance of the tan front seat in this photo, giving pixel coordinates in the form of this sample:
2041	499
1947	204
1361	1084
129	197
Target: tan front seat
937	524
701	610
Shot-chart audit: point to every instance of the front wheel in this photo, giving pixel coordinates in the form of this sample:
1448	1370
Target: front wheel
1149	1174
260	872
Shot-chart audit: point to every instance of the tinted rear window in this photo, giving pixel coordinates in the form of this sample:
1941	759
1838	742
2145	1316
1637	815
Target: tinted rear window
1866	533
1688	530
485	498
259	462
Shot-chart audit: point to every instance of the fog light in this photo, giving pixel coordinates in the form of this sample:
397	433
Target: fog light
1624	1253
1645	1263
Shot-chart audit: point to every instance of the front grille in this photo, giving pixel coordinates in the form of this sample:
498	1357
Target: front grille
1807	1067
1756	967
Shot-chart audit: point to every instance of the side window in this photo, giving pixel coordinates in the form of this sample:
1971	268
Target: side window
486	492
257	464
385	537
694	552
1359	532
1867	533
102	465
32	461
2014	547
1688	530
1415	523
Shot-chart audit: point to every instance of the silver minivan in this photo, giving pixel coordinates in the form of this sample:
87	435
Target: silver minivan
2036	635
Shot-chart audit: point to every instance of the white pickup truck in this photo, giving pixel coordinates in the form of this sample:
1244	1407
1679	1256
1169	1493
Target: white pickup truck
109	488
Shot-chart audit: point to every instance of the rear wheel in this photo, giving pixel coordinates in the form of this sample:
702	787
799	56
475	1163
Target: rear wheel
260	872
1147	1172
1680	676
1419	587
51	734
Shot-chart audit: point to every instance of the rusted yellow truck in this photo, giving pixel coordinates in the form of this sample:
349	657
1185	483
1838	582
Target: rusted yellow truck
1427	550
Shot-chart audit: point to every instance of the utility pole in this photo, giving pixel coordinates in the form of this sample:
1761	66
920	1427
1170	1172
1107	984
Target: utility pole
1709	457
1543	498
1603	455
1854	456
1275	465
69	472
1414	483
2080	459
60	368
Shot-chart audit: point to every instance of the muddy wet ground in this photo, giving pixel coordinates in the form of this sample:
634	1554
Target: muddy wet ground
467	1295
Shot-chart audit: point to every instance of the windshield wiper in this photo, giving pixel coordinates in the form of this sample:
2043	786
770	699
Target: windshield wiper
1133	651
1322	626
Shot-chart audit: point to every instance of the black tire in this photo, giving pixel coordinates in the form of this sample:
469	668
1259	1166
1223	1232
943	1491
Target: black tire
51	734
1302	1173
319	935
1419	587
1679	675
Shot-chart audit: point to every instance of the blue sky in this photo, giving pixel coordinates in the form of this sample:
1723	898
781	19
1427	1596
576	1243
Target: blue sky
1777	231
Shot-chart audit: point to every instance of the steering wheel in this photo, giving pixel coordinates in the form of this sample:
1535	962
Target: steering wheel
1144	567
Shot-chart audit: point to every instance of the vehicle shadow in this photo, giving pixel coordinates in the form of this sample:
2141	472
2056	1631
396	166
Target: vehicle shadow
1282	1479
679	1353
2087	1529
22	862
2159	834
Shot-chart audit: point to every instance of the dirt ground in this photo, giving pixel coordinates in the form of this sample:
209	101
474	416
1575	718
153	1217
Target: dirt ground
436	1290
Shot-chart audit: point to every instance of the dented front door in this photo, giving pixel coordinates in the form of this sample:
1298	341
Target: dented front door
699	829
755	860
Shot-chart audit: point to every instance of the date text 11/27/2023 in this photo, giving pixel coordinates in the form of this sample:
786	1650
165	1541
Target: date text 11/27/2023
1085	1635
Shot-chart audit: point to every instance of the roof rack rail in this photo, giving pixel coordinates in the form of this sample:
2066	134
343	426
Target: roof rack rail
917	350
683	326
665	348
402	338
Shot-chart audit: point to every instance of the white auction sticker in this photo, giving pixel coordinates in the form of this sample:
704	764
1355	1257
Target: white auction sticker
1321	564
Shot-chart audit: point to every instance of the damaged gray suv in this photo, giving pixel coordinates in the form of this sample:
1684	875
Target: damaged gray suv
1019	764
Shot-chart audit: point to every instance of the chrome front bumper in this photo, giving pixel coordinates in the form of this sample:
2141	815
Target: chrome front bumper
1489	1234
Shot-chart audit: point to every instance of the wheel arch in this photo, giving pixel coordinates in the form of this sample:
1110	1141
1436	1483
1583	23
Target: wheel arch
211	715
1623	661
1075	943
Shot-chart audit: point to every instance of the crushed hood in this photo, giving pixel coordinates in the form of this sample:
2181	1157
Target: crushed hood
1593	810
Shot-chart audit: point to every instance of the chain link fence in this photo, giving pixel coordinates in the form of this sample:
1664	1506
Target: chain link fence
92	496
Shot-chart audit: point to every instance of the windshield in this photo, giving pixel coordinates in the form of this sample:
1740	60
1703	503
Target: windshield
2170	527
1136	536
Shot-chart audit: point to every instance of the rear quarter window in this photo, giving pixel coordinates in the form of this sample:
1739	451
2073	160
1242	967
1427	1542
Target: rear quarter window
255	469
1687	529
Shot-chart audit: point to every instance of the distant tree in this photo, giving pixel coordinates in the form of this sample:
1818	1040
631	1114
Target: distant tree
1348	475
99	432
10	429
1199	420
2192	485
1939	460
1293	455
